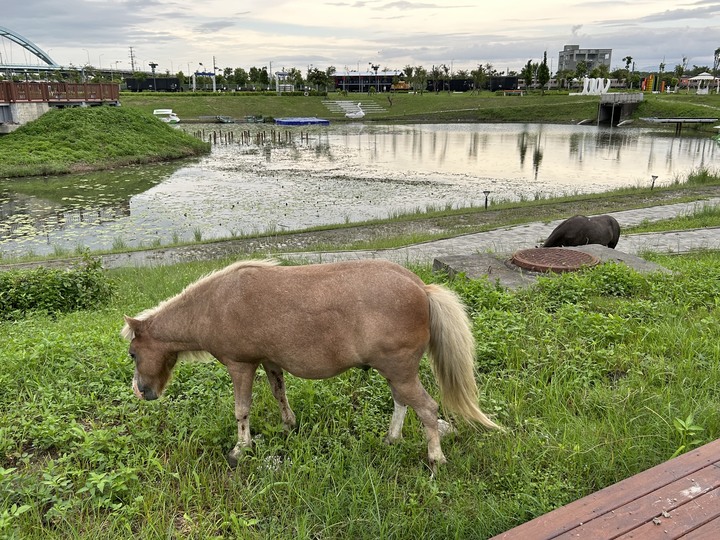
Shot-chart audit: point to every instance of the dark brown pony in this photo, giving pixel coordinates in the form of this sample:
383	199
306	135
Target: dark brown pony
315	322
583	230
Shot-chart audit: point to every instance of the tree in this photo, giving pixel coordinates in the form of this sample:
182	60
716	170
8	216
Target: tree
421	77
716	62
600	71
543	74
528	73
581	69
318	78
435	76
564	77
445	75
259	77
677	74
628	60
240	77
479	76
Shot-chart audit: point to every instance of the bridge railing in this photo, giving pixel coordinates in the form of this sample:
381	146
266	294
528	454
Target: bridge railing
57	92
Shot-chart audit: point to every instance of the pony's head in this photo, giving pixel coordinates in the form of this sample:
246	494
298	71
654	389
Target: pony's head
154	360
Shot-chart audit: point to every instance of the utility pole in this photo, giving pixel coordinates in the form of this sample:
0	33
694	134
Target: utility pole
132	60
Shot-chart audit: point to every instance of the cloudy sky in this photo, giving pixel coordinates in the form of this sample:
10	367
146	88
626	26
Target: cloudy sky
180	34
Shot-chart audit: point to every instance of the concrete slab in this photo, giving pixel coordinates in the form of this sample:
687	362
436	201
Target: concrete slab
498	268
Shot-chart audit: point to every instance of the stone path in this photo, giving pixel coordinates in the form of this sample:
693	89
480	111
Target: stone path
510	239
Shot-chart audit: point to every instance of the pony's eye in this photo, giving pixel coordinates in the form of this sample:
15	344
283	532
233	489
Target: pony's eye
132	355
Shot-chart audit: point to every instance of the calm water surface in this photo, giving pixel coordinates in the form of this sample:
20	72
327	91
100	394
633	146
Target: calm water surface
335	174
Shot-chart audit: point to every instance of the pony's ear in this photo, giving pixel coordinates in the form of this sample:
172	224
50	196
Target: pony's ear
135	325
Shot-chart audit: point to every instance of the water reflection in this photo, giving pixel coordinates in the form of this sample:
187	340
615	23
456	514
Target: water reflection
302	177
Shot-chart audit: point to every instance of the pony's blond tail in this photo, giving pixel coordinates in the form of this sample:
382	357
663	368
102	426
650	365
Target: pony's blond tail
452	355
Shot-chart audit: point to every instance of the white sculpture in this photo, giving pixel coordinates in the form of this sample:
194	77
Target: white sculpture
356	114
594	87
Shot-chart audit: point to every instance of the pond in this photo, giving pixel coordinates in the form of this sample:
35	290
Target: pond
263	179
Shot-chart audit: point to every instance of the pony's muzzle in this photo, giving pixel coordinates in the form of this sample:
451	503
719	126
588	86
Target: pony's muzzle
143	392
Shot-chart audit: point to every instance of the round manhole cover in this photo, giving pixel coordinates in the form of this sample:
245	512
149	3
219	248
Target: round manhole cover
553	259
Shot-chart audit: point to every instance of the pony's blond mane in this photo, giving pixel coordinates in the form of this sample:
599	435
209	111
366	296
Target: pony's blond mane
127	332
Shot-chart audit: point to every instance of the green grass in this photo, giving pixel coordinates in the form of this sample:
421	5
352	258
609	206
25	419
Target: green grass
702	215
553	107
596	375
81	139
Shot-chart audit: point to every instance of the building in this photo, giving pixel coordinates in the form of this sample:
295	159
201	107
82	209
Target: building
354	81
571	55
504	83
158	84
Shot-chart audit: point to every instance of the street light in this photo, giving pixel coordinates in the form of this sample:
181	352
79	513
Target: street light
153	65
486	193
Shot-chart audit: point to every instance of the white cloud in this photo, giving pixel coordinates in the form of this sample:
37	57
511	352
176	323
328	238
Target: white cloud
180	33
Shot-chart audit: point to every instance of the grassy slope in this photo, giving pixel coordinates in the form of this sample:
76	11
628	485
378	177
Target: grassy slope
428	107
589	373
71	140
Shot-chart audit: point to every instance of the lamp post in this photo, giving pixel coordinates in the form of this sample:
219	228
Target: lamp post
153	65
486	193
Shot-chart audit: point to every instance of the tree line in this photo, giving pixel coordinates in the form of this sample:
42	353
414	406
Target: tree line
417	78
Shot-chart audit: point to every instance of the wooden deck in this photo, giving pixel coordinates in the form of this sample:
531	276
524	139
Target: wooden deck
676	499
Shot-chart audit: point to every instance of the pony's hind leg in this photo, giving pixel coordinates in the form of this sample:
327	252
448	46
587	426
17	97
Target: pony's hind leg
242	376
411	392
277	384
396	422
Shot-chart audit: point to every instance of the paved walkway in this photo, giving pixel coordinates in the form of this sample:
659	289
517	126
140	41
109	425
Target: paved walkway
504	240
510	239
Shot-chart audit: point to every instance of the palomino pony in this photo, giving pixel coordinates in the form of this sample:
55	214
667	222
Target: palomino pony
315	322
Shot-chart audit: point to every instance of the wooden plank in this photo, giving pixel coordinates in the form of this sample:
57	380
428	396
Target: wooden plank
644	509
612	497
708	531
675	523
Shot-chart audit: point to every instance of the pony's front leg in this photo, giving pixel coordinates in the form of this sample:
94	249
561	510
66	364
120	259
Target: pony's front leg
277	384
242	376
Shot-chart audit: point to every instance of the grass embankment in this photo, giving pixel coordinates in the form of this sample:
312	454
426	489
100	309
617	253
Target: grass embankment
596	376
82	139
553	107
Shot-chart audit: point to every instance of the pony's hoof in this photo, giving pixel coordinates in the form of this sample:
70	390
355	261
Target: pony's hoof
392	439
435	464
236	454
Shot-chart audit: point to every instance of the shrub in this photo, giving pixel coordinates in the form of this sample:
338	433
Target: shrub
54	290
